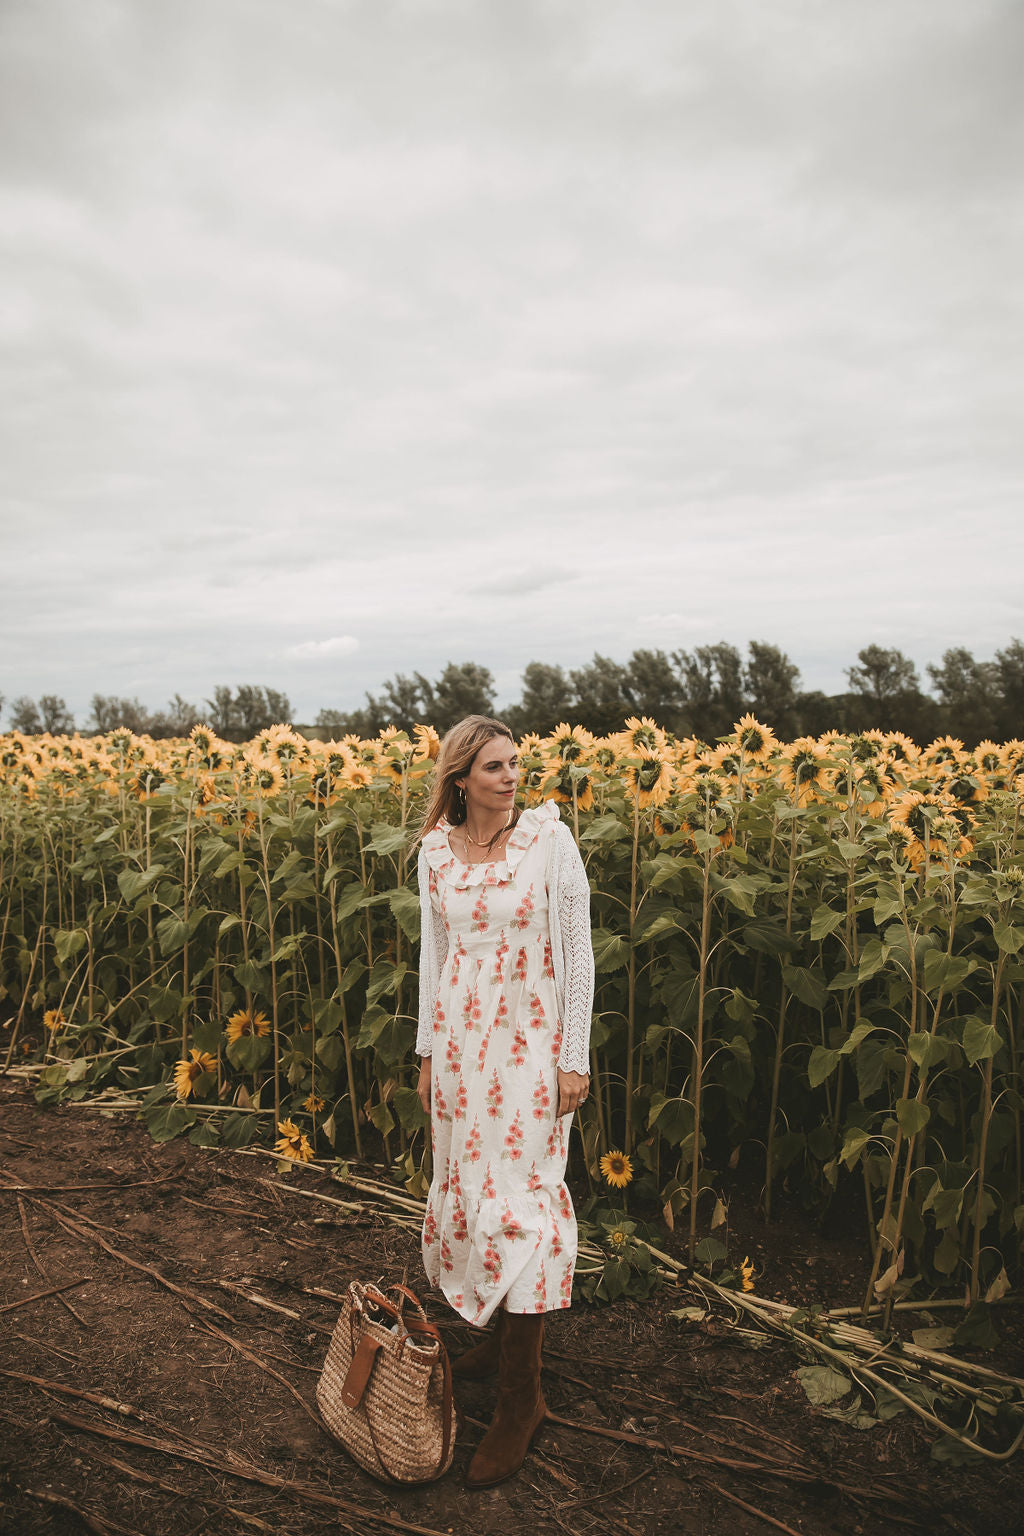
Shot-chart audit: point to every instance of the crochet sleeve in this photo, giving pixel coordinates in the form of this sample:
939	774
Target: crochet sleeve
572	893
433	952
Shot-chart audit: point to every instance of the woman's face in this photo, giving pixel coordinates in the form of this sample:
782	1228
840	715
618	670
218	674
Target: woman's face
491	782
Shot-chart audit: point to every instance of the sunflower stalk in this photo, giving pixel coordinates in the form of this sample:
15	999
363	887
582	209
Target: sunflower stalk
350	1075
631	976
272	942
780	1034
884	1224
697	1067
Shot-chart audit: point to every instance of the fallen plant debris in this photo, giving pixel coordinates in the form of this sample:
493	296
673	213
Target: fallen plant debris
896	1375
181	1394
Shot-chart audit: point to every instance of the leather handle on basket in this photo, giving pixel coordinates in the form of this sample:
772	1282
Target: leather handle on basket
421	1326
359	1371
403	1290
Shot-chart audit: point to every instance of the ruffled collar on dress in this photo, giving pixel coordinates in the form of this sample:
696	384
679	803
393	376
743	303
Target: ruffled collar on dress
526	831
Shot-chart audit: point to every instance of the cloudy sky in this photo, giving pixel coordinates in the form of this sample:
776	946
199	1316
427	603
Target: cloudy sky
347	337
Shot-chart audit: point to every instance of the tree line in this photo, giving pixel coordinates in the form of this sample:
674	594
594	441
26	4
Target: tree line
693	693
235	714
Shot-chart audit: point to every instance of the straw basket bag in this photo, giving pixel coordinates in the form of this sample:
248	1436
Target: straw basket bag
386	1390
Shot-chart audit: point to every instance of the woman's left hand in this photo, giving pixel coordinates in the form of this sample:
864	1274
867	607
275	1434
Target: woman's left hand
573	1088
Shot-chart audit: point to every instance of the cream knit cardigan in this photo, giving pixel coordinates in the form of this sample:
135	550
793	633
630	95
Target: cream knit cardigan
572	952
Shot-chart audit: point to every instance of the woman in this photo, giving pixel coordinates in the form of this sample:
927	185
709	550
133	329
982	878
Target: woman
506	992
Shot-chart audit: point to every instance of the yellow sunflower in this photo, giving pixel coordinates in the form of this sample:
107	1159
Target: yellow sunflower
203	739
965	787
190	1069
709	808
805	772
831	741
358	776
648	780
246	1022
396	755
726	759
868	745
146	782
948	840
756	741
617	1169
265	775
320	789
1013	755
918	819
292	1142
944	749
428	743
604	752
313	1103
53	1018
206	791
990	758
867	783
558	785
902	748
570	743
639	737
286	745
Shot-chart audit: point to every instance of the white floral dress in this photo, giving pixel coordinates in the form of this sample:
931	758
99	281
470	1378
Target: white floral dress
500	1226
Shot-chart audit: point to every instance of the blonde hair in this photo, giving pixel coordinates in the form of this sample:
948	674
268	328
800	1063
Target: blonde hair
458	749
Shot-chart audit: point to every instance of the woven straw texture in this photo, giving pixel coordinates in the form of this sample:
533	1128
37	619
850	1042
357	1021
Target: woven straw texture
397	1430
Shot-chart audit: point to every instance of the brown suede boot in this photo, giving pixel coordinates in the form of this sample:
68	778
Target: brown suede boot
482	1360
520	1409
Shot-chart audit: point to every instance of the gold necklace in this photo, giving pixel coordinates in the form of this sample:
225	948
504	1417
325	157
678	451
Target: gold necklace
486	842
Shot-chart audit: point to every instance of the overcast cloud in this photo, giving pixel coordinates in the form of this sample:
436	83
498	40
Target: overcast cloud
343	338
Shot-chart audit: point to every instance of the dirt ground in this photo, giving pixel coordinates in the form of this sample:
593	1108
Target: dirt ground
126	1404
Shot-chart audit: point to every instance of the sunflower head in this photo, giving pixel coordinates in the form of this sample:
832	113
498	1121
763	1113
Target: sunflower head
427	743
54	1018
944	749
291	1142
320	788
246	1022
965	787
188	1071
806	771
146	781
264	774
757	742
569	742
286	745
867	745
901	748
617	1169
202	738
562	781
648	778
640	737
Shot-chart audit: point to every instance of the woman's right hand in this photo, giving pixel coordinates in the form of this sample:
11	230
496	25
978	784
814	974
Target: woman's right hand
423	1084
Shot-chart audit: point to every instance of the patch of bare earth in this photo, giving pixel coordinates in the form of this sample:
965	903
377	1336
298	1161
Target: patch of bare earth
167	1386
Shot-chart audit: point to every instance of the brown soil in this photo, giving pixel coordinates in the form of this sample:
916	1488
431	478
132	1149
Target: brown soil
731	1441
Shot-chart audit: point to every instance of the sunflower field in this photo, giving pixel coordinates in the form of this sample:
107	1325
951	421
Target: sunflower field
810	956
